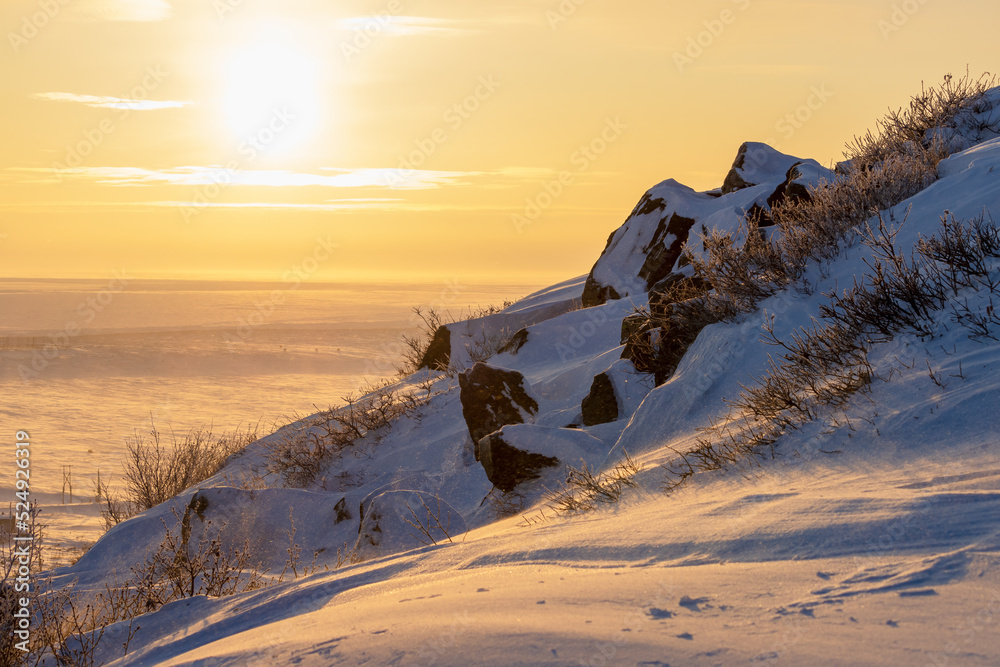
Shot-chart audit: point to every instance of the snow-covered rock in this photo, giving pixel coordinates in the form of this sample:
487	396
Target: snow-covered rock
756	163
398	521
521	452
647	248
492	398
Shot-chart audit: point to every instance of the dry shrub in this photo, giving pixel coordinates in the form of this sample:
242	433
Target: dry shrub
953	105
823	366
584	490
155	471
301	456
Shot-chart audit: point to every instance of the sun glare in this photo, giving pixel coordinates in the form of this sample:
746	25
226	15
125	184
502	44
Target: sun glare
272	97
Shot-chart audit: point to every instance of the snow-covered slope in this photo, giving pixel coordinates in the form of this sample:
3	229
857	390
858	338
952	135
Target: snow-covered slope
872	537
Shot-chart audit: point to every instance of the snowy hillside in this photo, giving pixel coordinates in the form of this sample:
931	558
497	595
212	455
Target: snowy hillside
461	524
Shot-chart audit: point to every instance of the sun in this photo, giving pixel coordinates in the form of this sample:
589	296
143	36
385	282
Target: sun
272	96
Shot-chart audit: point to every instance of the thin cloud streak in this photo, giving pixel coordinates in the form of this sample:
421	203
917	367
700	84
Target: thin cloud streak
194	176
407	25
106	102
92	11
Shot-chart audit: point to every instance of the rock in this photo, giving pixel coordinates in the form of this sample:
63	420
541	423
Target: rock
492	398
800	177
516	342
647	247
507	466
675	287
396	521
343	514
657	345
521	453
600	406
676	335
637	337
755	164
437	357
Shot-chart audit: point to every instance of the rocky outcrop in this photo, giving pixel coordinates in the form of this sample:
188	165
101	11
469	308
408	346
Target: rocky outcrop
437	357
646	248
492	398
600	406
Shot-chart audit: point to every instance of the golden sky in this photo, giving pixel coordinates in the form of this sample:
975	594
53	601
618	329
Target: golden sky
425	139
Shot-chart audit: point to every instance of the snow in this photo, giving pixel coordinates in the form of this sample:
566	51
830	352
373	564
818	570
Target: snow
872	537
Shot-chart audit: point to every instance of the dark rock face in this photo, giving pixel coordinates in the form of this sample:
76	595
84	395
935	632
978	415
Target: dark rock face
507	466
595	294
492	398
343	514
791	189
675	287
637	337
600	406
516	342
734	180
663	251
438	354
657	345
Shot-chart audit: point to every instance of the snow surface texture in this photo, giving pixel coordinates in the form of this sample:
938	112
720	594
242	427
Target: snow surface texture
872	539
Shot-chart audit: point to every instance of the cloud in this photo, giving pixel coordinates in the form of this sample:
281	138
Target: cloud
406	25
105	102
331	177
118	10
199	176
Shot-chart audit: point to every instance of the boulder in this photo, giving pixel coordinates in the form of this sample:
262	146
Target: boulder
492	398
396	521
343	514
657	345
516	342
600	406
800	177
437	357
638	337
521	453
